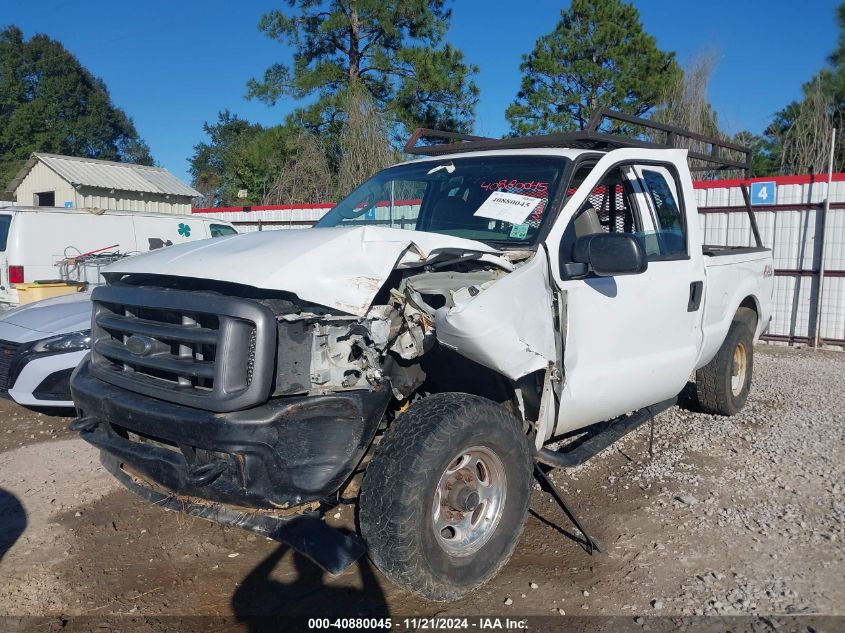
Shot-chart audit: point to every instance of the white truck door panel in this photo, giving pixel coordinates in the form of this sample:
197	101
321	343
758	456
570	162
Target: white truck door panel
632	340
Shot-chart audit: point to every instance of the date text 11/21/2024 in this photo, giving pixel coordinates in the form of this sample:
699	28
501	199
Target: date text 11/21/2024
420	623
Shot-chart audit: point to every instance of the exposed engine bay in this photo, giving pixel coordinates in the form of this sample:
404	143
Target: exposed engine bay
348	352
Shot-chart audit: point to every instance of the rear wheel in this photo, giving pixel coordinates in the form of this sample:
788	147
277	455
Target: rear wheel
724	383
445	498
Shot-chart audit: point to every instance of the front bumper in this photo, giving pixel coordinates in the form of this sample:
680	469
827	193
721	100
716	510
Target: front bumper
332	549
286	452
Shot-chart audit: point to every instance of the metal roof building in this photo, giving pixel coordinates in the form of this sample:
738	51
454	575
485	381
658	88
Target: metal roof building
49	180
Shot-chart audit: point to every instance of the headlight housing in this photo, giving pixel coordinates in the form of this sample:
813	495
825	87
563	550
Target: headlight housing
72	342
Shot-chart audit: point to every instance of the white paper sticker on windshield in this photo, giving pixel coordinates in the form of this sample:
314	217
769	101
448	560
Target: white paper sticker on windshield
509	207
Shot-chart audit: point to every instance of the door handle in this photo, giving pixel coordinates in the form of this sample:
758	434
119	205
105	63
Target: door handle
696	290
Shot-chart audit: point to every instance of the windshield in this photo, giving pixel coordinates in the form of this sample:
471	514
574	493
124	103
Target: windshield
500	199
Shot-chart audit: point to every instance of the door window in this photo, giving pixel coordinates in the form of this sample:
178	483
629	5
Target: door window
669	232
609	208
612	202
219	230
641	200
5	223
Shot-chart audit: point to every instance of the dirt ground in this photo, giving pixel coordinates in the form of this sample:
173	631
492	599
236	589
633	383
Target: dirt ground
738	515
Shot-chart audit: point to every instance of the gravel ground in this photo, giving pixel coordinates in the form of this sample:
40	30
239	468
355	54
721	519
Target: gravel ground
22	427
770	480
732	516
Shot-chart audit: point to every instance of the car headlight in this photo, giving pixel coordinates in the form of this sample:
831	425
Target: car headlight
73	342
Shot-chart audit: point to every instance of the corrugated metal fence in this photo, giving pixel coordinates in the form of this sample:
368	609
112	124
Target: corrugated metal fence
792	227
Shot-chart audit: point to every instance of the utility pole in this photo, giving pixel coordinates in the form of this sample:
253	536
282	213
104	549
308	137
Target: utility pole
823	235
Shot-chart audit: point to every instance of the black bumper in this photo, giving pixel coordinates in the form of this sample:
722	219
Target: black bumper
332	549
286	452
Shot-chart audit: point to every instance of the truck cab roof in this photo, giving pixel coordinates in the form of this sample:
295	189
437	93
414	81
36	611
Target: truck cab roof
564	152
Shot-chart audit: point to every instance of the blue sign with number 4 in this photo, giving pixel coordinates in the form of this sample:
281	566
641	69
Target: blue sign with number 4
763	192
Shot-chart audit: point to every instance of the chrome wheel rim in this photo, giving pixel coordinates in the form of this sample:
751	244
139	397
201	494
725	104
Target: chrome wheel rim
469	501
738	367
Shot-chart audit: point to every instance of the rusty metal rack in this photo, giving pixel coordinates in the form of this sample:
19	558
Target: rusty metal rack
715	157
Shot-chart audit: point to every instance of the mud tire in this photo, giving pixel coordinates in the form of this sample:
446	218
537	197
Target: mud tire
720	390
399	488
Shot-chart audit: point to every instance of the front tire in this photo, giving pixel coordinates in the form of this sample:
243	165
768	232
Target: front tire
445	498
724	383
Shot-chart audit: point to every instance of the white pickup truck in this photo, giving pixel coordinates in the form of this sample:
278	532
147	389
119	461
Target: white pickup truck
535	289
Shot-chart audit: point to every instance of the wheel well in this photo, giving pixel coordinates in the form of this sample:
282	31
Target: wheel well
751	303
449	371
748	310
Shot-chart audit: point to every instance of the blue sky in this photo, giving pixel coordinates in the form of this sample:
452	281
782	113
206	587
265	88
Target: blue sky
174	64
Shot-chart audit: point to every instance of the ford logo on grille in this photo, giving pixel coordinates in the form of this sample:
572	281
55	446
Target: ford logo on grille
139	345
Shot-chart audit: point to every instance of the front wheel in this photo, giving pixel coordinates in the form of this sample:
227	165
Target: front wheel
445	498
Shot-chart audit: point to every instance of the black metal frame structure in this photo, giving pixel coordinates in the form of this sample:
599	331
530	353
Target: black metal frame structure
592	138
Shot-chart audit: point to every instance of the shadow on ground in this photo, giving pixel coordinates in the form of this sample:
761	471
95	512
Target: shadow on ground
688	398
261	599
12	521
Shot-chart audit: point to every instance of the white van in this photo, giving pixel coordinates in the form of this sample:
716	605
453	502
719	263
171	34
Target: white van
34	240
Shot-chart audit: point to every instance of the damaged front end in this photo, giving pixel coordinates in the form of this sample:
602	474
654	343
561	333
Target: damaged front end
239	404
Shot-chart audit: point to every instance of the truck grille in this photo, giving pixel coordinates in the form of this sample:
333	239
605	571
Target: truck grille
8	351
195	348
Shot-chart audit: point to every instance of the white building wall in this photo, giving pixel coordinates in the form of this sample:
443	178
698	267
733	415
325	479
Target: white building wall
289	217
87	197
41	178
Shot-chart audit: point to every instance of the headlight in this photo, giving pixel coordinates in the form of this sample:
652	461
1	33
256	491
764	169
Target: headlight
73	342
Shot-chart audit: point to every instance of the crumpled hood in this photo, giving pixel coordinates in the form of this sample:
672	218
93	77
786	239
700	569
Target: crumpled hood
58	315
339	267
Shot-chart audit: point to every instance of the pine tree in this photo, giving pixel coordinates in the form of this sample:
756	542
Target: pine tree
598	56
395	49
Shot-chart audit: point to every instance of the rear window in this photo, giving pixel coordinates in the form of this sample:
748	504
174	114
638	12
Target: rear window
5	223
220	230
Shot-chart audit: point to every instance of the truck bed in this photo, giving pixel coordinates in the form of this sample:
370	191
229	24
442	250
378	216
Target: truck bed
734	273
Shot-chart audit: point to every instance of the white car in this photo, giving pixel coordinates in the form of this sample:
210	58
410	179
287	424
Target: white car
41	344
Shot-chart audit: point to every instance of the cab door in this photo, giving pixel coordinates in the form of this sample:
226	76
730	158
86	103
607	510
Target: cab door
630	340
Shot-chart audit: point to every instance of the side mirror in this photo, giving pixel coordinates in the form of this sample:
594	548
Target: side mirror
609	254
